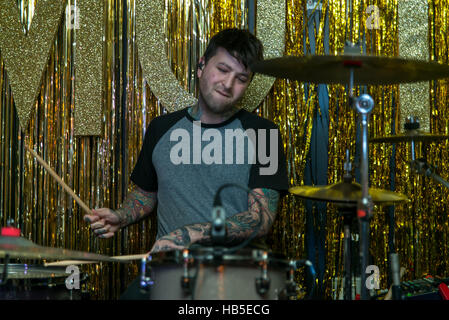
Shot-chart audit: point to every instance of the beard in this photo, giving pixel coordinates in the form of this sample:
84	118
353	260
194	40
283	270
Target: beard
217	104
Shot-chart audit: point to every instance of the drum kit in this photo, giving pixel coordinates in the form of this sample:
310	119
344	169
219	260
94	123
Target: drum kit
202	273
354	200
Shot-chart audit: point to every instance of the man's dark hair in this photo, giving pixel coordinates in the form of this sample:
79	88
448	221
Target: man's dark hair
241	44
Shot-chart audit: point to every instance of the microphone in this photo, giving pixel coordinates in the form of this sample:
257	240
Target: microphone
218	232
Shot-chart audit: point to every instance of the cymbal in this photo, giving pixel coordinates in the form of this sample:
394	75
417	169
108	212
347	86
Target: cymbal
346	192
374	70
21	248
409	135
126	258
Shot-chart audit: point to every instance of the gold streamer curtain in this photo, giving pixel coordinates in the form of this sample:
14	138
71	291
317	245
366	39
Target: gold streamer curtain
98	167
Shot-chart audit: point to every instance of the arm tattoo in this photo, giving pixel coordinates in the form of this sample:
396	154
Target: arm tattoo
272	197
138	204
241	225
261	205
179	237
161	248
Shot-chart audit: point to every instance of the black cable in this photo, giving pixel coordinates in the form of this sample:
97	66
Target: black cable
312	271
217	202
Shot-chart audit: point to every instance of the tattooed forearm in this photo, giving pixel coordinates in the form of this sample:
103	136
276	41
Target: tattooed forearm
138	204
262	207
240	226
200	233
175	240
272	197
179	237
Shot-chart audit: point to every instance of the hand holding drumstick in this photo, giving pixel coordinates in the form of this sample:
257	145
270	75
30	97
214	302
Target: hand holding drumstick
103	221
59	180
137	205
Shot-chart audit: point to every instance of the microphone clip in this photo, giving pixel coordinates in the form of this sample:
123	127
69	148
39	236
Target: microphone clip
218	231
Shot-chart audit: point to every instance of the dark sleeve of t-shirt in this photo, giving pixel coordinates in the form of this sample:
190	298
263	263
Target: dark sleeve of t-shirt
144	174
257	179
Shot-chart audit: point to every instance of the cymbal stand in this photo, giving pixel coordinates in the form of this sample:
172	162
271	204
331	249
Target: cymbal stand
412	123
4	276
348	213
363	105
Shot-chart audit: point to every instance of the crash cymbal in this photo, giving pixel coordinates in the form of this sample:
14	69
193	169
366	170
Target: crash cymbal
374	70
21	248
345	192
411	135
125	258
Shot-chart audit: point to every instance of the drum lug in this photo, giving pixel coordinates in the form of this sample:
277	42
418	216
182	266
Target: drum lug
186	279
145	277
187	285
262	285
263	282
290	290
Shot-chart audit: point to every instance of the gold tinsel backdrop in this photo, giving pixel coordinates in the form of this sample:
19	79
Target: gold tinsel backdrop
97	167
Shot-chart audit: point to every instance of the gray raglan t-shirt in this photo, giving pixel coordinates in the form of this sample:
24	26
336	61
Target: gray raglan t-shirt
186	162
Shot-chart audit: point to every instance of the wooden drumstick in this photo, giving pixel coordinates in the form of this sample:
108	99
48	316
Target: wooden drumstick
60	181
65	263
130	257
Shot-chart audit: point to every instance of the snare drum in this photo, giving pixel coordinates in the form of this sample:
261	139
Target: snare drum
205	274
34	282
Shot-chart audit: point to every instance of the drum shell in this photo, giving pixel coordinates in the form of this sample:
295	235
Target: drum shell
232	278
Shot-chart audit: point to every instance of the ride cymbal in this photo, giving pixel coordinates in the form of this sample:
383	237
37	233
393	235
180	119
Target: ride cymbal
368	70
346	192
